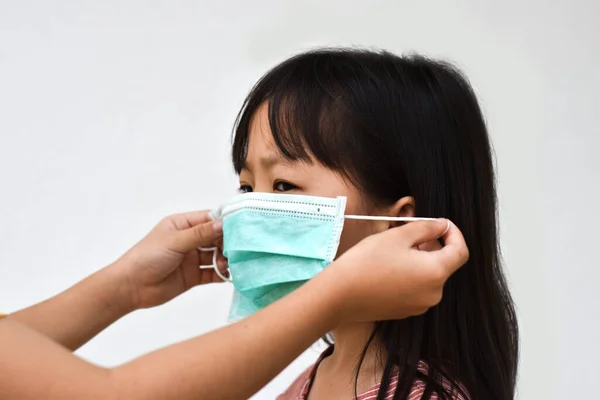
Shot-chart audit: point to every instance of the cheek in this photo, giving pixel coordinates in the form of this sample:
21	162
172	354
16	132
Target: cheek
354	231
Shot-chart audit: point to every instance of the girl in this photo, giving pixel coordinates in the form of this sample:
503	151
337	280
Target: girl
398	136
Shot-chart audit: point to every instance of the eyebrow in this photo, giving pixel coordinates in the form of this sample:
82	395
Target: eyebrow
271	160
268	162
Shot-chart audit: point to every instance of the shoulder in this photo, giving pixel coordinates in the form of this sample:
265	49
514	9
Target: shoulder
296	390
418	388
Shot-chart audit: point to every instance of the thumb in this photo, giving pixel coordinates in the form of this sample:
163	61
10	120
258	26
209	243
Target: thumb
201	235
455	252
420	232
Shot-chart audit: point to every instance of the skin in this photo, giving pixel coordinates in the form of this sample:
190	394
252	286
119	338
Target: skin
148	275
267	171
34	364
385	276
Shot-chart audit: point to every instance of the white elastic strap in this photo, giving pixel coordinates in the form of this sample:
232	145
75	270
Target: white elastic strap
447	228
214	264
384	218
400	219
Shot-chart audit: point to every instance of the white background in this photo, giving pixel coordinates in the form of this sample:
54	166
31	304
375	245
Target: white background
114	114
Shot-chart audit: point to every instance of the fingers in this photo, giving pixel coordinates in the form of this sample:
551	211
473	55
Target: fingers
194	275
455	252
206	257
424	234
190	219
433	245
207	262
202	235
222	264
421	232
210	276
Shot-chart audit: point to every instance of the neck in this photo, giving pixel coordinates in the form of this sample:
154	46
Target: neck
350	341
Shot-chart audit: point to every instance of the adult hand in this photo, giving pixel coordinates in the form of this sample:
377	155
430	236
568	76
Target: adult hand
398	273
167	261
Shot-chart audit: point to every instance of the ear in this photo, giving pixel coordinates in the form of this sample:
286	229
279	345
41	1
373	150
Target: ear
405	207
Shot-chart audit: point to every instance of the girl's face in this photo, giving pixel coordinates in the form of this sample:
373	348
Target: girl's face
267	171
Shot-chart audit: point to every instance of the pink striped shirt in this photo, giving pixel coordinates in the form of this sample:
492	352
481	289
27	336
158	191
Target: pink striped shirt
300	388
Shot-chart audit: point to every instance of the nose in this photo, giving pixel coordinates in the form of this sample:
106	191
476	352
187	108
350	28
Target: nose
263	187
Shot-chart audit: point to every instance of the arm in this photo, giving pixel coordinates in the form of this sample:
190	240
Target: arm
383	277
162	266
77	315
230	363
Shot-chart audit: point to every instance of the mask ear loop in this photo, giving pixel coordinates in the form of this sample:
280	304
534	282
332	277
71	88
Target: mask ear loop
398	219
383	218
447	228
214	264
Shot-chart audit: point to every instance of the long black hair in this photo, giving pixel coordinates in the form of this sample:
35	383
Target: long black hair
407	126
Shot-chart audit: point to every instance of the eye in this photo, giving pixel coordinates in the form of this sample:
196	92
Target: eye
245	188
282	186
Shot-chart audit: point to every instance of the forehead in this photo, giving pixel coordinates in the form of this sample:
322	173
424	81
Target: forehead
260	137
263	148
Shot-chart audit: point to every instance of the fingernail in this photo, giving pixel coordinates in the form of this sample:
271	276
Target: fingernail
218	226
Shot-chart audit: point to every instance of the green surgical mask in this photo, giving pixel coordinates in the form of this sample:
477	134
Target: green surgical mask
274	243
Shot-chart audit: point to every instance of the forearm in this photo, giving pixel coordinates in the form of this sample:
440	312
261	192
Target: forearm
34	367
76	315
236	361
233	362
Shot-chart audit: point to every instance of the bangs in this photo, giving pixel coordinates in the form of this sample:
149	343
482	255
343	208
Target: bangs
343	109
307	115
